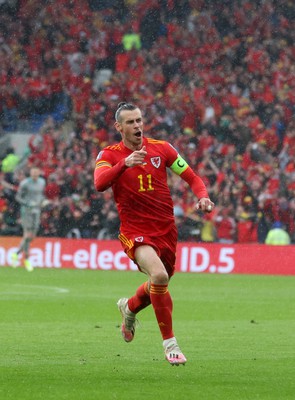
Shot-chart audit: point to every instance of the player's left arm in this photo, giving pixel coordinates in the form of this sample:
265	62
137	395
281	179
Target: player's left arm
21	194
180	167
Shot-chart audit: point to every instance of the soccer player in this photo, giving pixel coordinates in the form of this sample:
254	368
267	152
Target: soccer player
135	168
30	195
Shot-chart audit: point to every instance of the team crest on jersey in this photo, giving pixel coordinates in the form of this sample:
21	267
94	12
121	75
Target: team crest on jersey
156	161
139	239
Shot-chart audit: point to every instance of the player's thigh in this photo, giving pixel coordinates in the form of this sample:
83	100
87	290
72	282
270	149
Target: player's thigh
26	220
35	223
30	222
151	264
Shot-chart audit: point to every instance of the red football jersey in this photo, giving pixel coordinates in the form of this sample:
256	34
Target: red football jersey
141	193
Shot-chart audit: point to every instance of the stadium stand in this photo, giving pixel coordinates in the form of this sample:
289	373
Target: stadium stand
215	78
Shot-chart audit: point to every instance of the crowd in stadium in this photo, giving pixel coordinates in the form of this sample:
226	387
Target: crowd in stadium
214	78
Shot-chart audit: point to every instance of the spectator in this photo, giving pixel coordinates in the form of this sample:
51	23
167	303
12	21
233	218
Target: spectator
225	225
131	40
10	225
277	235
234	122
9	164
189	228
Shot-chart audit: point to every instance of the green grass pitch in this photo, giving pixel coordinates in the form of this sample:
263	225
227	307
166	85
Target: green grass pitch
60	338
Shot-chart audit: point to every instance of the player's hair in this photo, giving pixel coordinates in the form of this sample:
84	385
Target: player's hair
124	106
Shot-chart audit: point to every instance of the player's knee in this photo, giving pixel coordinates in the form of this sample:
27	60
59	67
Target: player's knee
160	277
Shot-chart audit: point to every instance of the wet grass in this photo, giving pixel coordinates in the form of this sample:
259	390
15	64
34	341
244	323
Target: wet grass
60	338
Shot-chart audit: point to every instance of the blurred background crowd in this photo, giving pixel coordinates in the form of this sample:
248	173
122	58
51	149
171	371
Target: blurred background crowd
214	78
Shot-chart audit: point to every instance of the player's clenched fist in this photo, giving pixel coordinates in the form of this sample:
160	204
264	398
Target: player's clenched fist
205	204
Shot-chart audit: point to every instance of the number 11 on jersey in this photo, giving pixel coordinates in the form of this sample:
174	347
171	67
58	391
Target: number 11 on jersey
145	184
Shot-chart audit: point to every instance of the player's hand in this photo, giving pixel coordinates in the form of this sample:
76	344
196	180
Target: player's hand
205	204
136	158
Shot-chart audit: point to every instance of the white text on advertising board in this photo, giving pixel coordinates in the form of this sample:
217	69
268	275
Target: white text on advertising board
197	259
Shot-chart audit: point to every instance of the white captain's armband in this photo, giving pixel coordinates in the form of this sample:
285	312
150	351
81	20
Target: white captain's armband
179	165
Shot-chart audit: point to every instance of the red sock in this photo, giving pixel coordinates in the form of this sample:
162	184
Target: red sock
162	303
140	300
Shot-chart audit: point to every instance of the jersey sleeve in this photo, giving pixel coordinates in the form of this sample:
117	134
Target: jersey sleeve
195	182
106	171
180	167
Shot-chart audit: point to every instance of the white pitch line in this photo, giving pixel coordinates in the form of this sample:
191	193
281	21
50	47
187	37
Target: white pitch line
43	287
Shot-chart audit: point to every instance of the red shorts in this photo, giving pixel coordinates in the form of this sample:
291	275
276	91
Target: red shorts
165	247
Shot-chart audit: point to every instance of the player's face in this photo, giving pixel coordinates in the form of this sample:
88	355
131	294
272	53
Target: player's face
35	173
131	128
